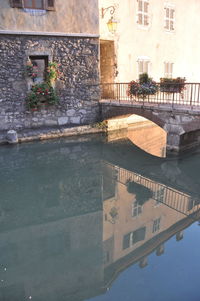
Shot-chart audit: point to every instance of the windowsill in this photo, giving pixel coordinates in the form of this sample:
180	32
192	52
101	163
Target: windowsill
35	12
143	27
169	31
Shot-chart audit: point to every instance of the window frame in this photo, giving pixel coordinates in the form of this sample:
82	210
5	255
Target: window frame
144	69
168	69
136	208
156	225
46	62
144	22
46	4
169	21
34	5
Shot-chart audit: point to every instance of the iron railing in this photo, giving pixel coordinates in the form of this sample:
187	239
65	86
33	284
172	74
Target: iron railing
187	96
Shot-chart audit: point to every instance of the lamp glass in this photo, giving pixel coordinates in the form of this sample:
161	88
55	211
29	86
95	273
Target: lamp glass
112	25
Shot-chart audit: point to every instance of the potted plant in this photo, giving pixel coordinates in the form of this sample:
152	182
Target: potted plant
43	93
143	87
40	95
172	85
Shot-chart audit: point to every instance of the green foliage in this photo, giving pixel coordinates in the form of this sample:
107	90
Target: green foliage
53	72
142	87
41	94
172	85
100	125
144	78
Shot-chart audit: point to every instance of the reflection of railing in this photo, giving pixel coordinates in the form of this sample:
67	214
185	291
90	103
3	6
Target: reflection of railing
189	95
172	198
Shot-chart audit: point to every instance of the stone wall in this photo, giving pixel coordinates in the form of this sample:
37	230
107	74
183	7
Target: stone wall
78	89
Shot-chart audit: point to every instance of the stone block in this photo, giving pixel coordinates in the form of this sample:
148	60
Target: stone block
62	120
50	122
71	112
75	120
12	137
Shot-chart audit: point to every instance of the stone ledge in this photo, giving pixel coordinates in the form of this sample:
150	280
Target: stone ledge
55	34
52	133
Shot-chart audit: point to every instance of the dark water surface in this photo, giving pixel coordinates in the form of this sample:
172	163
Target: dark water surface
91	220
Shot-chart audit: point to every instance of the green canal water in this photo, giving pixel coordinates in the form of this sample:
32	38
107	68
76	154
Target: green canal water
94	220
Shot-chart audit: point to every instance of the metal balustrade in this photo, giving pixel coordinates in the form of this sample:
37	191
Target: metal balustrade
169	196
167	94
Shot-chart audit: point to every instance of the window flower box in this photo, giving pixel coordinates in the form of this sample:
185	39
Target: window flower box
172	85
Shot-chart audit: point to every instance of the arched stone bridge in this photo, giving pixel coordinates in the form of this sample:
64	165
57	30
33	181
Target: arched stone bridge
182	123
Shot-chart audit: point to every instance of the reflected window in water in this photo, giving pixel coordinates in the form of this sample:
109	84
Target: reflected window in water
156	225
136	209
134	237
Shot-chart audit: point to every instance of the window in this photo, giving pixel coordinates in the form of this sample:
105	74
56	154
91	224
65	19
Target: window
143	66
156	225
168	69
33	4
133	237
158	196
143	17
136	209
169	18
40	64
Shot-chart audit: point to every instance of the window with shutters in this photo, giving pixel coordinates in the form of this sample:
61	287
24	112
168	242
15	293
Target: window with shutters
133	237
136	209
156	225
169	18
143	15
143	66
33	4
168	69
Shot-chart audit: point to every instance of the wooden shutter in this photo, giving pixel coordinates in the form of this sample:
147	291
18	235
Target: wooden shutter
50	4
16	3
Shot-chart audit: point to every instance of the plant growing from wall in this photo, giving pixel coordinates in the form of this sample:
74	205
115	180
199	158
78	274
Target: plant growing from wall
40	95
53	72
143	87
172	85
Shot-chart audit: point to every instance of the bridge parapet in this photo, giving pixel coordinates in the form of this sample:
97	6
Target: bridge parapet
184	94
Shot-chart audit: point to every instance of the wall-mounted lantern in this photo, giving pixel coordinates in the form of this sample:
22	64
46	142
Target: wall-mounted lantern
112	23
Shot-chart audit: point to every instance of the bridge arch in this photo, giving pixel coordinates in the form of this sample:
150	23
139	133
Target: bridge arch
181	124
117	111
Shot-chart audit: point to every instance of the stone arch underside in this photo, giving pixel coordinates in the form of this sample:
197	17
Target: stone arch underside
117	111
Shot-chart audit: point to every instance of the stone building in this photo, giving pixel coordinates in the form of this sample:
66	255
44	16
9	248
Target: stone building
43	31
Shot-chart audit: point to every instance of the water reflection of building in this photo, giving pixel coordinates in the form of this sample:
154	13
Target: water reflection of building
139	216
50	250
52	261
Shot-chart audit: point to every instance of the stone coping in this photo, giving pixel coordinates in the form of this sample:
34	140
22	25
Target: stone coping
40	33
39	134
151	106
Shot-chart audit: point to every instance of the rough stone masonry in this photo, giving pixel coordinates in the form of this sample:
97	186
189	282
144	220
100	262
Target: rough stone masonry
78	89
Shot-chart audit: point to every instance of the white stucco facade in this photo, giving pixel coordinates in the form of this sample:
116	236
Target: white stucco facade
153	43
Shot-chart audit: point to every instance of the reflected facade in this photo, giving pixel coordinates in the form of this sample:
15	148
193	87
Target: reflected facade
71	222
